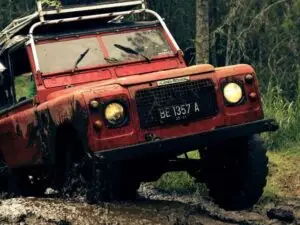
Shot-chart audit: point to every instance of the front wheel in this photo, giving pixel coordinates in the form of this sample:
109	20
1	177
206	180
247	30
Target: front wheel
113	182
235	172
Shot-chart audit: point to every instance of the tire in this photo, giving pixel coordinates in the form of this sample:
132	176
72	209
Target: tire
69	172
235	172
78	174
113	182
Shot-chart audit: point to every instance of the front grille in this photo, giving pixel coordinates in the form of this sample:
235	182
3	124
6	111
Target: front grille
151	102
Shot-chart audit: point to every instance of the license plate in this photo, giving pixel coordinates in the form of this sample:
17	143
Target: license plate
179	112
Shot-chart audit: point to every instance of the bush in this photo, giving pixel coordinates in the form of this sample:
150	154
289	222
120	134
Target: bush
287	114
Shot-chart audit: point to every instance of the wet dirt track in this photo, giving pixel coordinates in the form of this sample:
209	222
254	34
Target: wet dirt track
157	208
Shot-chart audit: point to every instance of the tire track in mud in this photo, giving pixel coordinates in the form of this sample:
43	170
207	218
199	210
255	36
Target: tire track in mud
152	207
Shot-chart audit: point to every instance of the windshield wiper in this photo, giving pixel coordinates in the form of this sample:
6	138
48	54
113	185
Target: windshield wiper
131	51
80	58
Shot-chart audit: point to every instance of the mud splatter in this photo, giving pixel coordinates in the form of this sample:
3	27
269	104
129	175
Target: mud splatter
157	208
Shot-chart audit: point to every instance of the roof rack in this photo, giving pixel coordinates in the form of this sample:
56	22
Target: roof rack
42	15
102	5
15	26
107	9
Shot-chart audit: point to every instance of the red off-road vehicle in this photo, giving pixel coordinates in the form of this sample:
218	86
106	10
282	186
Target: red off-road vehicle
113	100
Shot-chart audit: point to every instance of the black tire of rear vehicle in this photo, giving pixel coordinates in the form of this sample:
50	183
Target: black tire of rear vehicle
235	172
113	182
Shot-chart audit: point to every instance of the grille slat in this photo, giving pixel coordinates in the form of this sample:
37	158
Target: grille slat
150	101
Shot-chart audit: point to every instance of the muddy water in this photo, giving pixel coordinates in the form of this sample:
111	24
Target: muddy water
151	208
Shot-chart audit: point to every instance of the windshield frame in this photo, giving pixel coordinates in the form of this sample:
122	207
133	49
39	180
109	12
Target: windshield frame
99	36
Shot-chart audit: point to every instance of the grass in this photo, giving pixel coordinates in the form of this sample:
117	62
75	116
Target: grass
287	114
179	182
284	175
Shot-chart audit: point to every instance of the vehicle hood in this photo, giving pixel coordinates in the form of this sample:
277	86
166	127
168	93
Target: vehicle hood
137	79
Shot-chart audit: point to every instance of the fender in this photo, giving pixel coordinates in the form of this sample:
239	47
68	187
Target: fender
28	137
50	115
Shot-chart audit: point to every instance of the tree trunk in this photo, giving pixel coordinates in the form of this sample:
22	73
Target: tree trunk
202	31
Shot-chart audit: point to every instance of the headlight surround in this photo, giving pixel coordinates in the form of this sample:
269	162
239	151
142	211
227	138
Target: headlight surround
115	114
233	93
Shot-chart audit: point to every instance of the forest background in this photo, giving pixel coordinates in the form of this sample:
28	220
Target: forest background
262	33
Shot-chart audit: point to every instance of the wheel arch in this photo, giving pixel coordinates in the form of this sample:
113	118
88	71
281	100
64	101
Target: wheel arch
68	136
58	117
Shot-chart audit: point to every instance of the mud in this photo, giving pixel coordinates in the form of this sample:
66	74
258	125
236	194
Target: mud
152	207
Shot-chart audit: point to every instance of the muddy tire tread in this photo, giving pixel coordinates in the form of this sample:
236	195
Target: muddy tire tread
239	187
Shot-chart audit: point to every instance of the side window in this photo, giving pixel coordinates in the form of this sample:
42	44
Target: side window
23	82
24	87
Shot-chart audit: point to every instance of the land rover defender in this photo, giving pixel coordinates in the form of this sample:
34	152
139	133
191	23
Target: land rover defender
112	98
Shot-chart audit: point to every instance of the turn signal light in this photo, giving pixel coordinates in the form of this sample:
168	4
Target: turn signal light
98	125
253	96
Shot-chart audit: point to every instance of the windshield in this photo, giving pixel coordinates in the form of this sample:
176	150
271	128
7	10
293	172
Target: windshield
149	43
63	55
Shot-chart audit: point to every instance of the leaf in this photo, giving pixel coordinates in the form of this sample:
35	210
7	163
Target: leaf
52	3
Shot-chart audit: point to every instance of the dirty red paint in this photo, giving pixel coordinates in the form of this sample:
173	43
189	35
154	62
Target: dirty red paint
24	131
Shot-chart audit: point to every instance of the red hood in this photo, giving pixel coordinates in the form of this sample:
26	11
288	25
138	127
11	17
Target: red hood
155	76
137	79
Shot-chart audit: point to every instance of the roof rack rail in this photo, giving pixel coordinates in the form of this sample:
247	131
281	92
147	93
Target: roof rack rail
102	5
15	26
42	14
108	9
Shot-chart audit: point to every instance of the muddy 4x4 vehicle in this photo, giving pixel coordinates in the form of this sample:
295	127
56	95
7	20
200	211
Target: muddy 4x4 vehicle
112	101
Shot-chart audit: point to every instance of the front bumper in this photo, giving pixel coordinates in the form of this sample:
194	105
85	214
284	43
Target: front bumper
179	145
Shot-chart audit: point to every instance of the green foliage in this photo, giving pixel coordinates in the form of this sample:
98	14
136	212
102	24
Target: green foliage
180	18
25	87
52	3
287	113
179	182
10	10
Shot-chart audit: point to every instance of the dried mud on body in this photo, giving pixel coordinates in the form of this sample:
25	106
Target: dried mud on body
151	208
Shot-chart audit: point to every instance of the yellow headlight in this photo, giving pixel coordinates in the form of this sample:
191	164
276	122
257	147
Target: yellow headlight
233	93
115	113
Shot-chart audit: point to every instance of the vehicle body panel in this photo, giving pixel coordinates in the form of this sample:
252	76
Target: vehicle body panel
28	130
38	124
